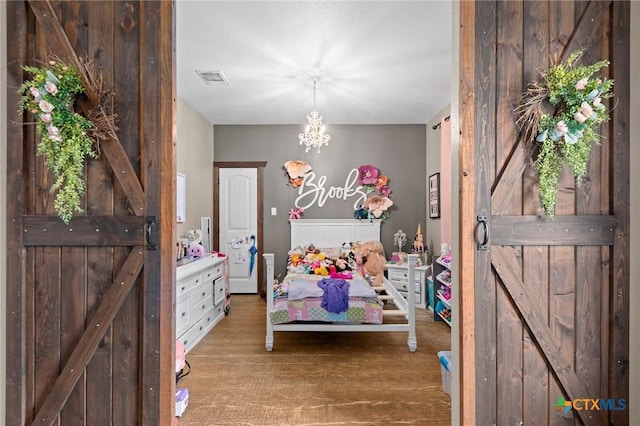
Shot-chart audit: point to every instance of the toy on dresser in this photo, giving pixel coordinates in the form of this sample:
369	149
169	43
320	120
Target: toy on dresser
419	248
196	250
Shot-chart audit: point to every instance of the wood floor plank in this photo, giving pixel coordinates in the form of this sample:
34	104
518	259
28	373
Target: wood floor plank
314	378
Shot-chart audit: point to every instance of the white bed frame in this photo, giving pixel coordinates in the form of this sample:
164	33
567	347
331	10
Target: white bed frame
332	233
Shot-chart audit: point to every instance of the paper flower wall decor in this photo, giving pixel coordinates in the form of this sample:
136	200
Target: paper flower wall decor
564	112
376	186
296	170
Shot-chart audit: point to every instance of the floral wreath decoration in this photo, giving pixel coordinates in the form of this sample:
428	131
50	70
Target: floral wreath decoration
66	137
376	186
568	134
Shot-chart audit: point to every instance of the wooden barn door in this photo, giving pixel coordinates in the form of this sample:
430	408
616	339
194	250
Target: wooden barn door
90	317
545	304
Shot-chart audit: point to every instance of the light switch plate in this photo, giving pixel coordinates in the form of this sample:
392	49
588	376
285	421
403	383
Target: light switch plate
274	211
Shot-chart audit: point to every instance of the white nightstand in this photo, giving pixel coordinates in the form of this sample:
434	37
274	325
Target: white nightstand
398	276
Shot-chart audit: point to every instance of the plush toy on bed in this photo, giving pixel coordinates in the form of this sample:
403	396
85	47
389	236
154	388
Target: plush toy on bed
296	263
373	251
342	264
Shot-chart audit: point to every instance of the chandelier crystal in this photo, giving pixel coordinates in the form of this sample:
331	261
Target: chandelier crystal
314	134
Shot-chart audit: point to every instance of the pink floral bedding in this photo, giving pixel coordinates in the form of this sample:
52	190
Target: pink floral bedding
360	310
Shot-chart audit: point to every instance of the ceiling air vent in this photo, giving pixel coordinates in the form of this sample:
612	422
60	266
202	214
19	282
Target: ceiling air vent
213	78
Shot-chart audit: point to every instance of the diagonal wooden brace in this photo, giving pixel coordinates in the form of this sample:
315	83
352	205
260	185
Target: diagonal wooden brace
504	262
97	326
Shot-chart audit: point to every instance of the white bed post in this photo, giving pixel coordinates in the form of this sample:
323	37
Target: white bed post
268	258
411	295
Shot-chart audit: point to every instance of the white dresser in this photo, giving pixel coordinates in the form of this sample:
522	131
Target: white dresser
200	297
398	276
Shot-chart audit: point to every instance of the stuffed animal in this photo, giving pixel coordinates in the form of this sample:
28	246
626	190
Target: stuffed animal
373	260
196	250
375	267
342	264
360	213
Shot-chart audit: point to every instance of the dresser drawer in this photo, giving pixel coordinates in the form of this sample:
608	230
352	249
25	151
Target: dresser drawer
204	293
189	338
213	273
403	275
201	301
403	286
183	315
218	291
186	285
214	315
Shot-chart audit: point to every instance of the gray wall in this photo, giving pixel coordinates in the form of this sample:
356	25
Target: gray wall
194	147
433	166
397	150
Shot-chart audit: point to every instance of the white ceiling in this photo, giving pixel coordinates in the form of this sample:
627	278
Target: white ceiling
378	62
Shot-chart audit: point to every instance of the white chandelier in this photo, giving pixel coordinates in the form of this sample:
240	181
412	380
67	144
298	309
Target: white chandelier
314	135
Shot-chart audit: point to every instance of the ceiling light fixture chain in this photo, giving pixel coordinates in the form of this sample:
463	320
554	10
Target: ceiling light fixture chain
314	134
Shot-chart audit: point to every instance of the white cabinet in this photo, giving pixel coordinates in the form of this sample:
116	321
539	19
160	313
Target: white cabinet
398	276
200	297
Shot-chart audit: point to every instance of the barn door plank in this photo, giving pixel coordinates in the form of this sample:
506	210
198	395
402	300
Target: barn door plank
503	260
72	317
484	129
535	259
618	349
126	331
110	147
509	347
96	328
158	150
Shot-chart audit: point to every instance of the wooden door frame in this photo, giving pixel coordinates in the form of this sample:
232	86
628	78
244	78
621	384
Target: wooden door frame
259	165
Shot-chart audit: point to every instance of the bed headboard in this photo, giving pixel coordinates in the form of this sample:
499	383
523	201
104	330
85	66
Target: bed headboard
332	232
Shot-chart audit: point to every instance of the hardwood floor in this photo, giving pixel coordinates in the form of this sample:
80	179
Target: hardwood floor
314	378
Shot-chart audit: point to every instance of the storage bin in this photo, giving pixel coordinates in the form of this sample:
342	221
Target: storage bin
182	400
445	368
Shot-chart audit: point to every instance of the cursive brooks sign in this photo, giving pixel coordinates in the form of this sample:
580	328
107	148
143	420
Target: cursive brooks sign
312	192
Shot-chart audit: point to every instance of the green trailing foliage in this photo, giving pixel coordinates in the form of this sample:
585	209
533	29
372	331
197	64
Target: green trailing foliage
64	134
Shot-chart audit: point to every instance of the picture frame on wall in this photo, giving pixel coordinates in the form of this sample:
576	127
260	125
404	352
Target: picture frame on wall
434	196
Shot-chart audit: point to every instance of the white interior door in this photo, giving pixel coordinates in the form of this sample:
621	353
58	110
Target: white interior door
239	226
